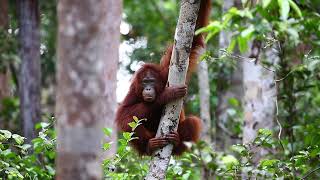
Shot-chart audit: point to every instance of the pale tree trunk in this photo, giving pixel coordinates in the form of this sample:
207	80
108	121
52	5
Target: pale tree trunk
177	76
112	59
229	86
204	94
260	98
87	62
4	72
29	81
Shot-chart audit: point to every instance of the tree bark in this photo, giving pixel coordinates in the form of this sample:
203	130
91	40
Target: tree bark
87	63
29	81
204	94
177	76
259	99
225	138
4	72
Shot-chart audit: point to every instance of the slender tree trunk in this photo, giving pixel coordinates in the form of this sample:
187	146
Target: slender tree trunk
259	99
87	62
4	72
229	86
177	75
204	94
29	81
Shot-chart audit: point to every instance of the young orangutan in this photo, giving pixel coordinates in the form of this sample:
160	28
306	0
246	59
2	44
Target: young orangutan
148	95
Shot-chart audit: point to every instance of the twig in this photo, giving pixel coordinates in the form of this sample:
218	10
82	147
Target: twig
310	172
251	60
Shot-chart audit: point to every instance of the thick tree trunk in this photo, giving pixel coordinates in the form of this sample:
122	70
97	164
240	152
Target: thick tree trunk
204	94
229	86
177	76
259	99
87	62
4	72
30	79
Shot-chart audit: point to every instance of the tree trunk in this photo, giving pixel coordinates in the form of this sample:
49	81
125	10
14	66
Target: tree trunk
204	94
4	72
228	86
259	99
177	76
87	63
29	81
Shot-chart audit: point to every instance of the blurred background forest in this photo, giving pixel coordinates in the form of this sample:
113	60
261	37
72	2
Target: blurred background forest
257	89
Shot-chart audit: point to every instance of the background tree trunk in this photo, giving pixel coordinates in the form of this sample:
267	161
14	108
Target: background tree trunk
112	59
204	94
87	64
29	81
177	75
259	99
228	86
4	71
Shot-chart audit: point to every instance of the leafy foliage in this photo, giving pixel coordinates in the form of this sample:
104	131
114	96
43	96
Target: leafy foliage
27	161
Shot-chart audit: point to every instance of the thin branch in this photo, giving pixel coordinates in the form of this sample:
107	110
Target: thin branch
310	172
238	57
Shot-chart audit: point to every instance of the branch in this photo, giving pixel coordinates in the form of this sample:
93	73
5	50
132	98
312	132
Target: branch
177	76
310	172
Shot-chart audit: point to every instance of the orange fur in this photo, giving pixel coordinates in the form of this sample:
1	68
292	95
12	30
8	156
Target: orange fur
133	105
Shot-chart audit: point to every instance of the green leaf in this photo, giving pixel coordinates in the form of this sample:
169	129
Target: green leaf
247	32
229	161
135	118
265	132
107	131
284	9
7	134
127	135
238	148
268	162
232	45
213	26
295	8
19	139
106	146
265	3
51	170
233	102
132	124
186	175
243	44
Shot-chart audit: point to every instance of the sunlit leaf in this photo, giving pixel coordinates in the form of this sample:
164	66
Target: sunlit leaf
265	3
19	139
106	146
232	45
107	131
247	32
295	8
7	134
265	132
243	44
135	118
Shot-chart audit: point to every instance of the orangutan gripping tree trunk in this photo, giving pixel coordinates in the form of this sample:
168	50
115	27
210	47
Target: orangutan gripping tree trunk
176	77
